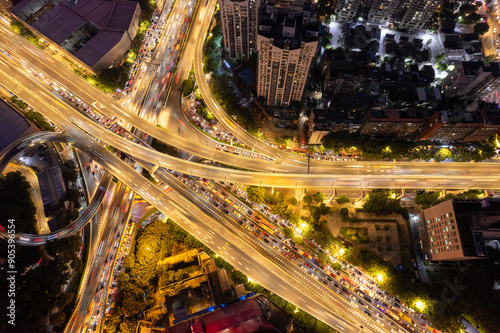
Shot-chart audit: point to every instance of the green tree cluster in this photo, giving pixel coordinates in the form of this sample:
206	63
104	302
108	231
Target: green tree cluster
342	199
292	201
256	194
428	199
307	199
156	241
382	202
188	86
481	28
20	29
69	171
325	9
38	120
212	50
164	147
472	18
20	103
319	197
223	87
16	203
42	285
387	148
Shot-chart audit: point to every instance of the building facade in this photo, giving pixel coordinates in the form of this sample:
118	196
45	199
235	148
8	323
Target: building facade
468	77
239	26
391	122
286	47
345	10
381	11
450	231
418	13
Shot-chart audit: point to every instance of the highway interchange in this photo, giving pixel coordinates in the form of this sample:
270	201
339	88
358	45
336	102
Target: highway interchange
374	174
215	228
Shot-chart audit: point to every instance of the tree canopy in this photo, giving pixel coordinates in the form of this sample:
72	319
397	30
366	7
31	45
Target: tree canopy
256	194
16	203
481	28
342	199
381	201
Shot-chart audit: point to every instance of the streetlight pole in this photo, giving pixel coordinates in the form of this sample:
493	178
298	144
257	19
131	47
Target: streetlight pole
308	162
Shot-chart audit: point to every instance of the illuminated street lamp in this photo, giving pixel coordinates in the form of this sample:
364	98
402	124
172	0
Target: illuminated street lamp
249	279
380	277
420	305
341	251
303	225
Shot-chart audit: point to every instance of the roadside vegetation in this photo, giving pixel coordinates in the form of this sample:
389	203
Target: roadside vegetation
427	199
42	284
139	281
20	29
213	48
402	281
383	148
16	203
163	147
36	118
221	83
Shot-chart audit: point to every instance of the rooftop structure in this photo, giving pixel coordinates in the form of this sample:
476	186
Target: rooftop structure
391	122
51	186
93	33
12	125
245	315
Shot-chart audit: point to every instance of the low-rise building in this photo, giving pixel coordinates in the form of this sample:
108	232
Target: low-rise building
452	230
52	187
466	78
251	313
94	34
490	91
460	125
13	125
334	120
391	122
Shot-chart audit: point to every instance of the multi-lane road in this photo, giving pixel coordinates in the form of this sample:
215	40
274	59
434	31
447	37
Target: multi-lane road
198	223
413	175
198	216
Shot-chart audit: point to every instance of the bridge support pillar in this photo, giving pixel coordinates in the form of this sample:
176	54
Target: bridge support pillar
154	169
299	193
333	194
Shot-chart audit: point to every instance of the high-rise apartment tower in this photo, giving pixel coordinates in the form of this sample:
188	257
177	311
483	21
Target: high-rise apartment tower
286	46
239	26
